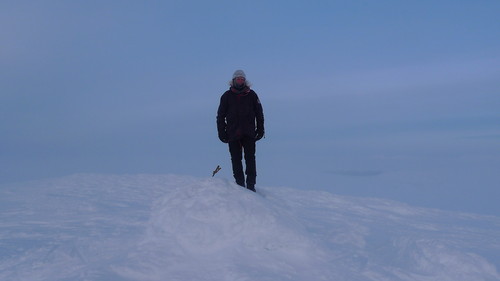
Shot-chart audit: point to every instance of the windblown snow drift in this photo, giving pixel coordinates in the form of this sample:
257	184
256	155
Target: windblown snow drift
167	227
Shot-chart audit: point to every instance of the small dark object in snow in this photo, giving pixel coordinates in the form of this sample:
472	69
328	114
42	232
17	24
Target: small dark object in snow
216	170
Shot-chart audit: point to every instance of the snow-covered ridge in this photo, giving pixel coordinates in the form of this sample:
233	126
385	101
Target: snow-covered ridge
170	227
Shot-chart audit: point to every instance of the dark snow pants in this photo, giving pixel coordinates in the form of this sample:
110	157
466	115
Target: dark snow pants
244	146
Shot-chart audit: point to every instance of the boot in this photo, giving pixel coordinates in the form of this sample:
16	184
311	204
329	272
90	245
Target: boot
251	187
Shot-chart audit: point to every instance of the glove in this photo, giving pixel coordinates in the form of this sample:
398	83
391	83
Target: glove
223	136
259	134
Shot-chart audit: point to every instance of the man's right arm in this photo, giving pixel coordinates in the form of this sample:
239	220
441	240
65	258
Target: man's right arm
221	119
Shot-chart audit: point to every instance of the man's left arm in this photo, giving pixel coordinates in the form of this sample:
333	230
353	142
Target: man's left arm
259	117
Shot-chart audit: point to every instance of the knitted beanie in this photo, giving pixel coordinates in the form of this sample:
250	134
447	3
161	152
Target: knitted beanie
239	73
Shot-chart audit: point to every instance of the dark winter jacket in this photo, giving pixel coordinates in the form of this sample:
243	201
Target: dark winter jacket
240	115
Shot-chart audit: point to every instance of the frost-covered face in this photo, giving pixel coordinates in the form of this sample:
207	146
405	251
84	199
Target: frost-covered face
239	81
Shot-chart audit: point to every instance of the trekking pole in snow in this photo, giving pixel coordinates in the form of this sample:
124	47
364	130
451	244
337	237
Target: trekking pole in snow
216	170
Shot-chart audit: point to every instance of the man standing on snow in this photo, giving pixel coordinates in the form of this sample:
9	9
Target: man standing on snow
240	123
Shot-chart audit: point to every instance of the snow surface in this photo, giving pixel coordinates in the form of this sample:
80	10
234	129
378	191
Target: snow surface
171	227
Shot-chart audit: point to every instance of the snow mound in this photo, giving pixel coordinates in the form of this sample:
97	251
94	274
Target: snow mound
223	228
168	227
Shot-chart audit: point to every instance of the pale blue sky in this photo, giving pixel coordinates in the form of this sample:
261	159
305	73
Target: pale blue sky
395	99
